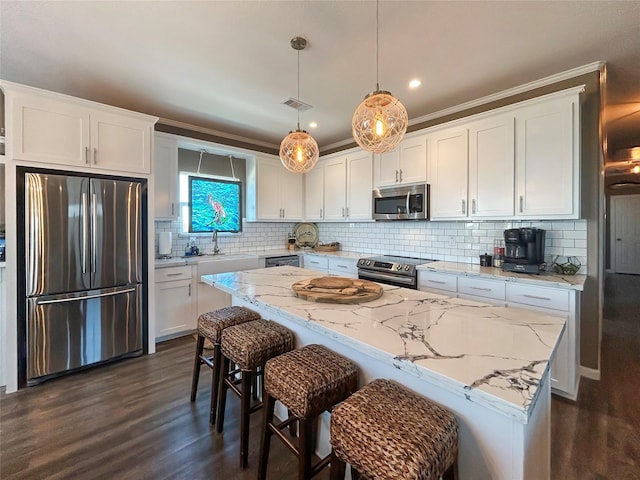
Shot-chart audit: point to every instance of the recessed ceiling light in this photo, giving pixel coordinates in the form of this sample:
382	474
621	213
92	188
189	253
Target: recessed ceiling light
415	83
313	125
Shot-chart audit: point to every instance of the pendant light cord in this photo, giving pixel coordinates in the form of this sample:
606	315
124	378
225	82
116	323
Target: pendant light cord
298	109
377	45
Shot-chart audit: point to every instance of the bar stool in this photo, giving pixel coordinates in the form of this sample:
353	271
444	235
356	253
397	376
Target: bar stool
308	381
210	326
386	431
248	346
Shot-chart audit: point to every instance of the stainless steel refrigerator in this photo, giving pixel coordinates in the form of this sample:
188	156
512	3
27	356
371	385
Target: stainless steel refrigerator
83	259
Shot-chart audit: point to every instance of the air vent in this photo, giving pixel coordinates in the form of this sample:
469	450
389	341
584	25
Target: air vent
296	104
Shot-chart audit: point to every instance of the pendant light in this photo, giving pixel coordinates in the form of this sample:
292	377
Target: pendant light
380	121
299	150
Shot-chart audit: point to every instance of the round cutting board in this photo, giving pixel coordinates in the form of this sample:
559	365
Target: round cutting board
337	290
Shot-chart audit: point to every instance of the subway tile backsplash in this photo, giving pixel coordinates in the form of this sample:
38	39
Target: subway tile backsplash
451	241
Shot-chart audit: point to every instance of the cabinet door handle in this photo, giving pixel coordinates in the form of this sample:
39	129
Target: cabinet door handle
436	281
347	211
86	155
536	297
396	176
521	203
174	274
341	266
320	213
342	212
173	208
95	156
473	206
400	175
484	289
464	207
189	289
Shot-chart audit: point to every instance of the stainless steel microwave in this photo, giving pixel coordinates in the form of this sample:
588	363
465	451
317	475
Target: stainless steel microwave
409	202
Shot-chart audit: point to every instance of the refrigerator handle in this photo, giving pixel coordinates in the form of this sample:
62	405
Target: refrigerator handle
85	226
86	297
94	230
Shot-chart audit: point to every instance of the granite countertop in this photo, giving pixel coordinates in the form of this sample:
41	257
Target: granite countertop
572	282
492	356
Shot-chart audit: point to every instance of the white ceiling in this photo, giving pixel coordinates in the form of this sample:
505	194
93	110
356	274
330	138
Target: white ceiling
228	65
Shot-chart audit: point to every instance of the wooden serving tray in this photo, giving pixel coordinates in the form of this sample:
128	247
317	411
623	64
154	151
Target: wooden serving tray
337	290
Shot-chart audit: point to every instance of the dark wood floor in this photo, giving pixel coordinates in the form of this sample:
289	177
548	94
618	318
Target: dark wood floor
130	420
598	437
133	419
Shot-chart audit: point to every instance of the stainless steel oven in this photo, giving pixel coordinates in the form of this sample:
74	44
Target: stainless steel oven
409	202
391	270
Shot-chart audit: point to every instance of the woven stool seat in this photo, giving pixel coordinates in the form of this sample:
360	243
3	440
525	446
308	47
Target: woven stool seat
249	345
386	432
310	380
211	324
210	327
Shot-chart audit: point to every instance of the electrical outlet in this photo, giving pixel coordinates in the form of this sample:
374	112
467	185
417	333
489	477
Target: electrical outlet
451	241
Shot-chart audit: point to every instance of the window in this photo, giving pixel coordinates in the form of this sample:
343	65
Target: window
209	203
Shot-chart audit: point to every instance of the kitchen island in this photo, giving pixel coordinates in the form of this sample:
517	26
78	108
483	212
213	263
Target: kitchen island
488	364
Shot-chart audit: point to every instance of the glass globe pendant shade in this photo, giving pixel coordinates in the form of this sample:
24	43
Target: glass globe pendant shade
299	151
380	122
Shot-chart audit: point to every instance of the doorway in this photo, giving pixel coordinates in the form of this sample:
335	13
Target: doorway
625	234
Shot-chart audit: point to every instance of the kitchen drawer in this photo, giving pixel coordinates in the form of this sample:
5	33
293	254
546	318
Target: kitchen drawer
438	281
170	274
479	287
553	298
316	262
343	266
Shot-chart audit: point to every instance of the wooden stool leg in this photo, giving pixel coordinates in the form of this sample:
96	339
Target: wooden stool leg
196	367
452	472
245	414
354	474
215	383
305	447
338	467
222	391
265	444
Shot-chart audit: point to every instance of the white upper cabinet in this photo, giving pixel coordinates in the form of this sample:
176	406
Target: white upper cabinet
274	193
314	193
52	128
448	169
335	189
518	162
491	166
165	174
407	163
547	159
359	185
339	188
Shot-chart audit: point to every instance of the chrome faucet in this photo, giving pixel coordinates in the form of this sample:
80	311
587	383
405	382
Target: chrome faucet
214	239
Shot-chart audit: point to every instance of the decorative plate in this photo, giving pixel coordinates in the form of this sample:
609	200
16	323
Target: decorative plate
306	234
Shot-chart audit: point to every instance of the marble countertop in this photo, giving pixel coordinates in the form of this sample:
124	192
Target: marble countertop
262	254
493	356
573	282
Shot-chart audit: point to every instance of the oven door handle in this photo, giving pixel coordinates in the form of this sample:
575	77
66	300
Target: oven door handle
381	276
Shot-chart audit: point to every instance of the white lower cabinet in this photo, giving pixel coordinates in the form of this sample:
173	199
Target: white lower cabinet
561	302
344	267
341	266
3	326
565	375
316	262
175	302
482	290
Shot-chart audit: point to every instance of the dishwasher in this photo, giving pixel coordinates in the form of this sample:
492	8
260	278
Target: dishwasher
288	260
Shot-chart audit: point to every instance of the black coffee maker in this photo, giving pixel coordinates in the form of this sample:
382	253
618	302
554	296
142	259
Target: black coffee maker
524	250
